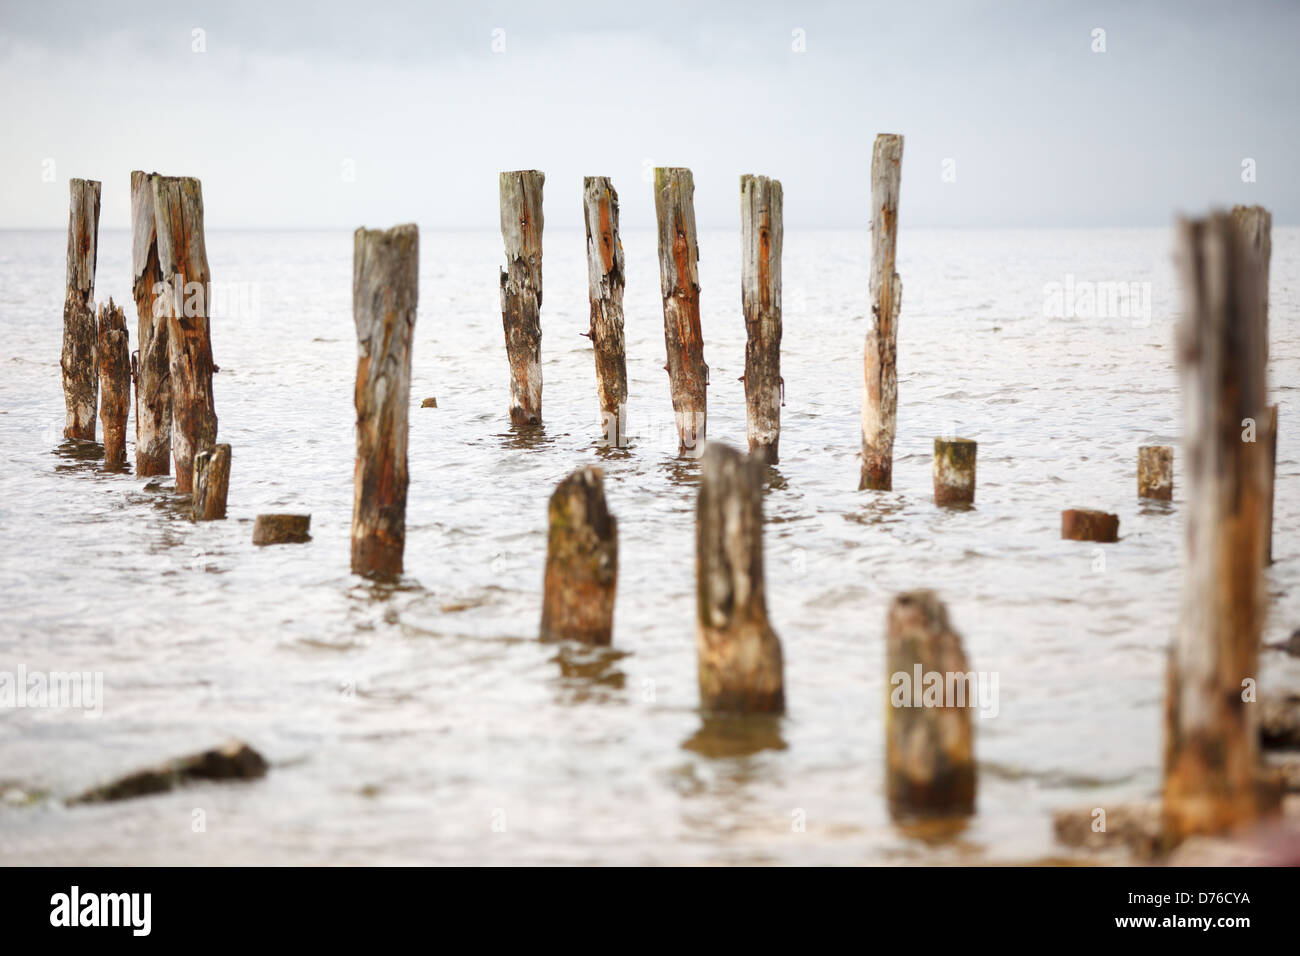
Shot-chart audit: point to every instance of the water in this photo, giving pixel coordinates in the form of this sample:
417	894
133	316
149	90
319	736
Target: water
408	724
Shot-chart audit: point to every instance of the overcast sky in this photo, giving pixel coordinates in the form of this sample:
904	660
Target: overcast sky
345	112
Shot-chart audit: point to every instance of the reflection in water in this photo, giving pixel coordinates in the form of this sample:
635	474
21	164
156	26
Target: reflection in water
526	436
1155	507
933	831
80	455
588	673
682	472
736	735
774	480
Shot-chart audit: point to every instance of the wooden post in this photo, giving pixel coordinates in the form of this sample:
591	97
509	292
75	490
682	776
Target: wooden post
581	562
1211	745
605	279
1156	472
385	292
183	258
929	742
152	372
880	368
281	529
211	481
115	383
679	255
954	471
80	371
1087	524
740	663
761	235
521	291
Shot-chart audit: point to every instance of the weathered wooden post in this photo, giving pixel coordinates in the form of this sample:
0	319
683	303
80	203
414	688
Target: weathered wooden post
183	258
385	292
521	291
80	371
740	663
211	482
581	562
605	280
114	383
929	742
1211	744
1156	472
1088	524
880	363
152	373
679	255
281	529
954	471
761	235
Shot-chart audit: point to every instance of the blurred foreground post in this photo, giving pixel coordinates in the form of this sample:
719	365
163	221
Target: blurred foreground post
1254	225
954	471
1211	744
385	291
521	291
880	368
605	280
1156	472
80	370
581	562
211	482
929	742
183	264
740	663
153	395
679	280
761	234
114	382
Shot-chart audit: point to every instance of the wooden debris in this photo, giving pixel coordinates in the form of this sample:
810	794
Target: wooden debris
605	280
521	291
1131	827
880	365
740	662
385	293
78	361
761	236
954	471
930	752
211	482
679	255
429	403
234	760
114	354
1156	472
281	529
581	562
1085	524
152	370
1211	742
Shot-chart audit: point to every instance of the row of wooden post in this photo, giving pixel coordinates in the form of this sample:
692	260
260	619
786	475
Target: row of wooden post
172	369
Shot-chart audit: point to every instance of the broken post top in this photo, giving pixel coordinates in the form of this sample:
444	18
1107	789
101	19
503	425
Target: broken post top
83	233
604	248
174	203
762	232
679	251
521	214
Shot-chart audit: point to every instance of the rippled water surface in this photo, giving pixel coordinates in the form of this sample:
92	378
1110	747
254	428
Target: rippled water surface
403	723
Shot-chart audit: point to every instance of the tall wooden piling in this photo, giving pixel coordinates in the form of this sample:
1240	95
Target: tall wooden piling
581	562
153	394
114	382
761	236
211	483
605	280
740	662
385	292
679	255
78	363
880	363
183	258
521	291
929	742
1211	745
